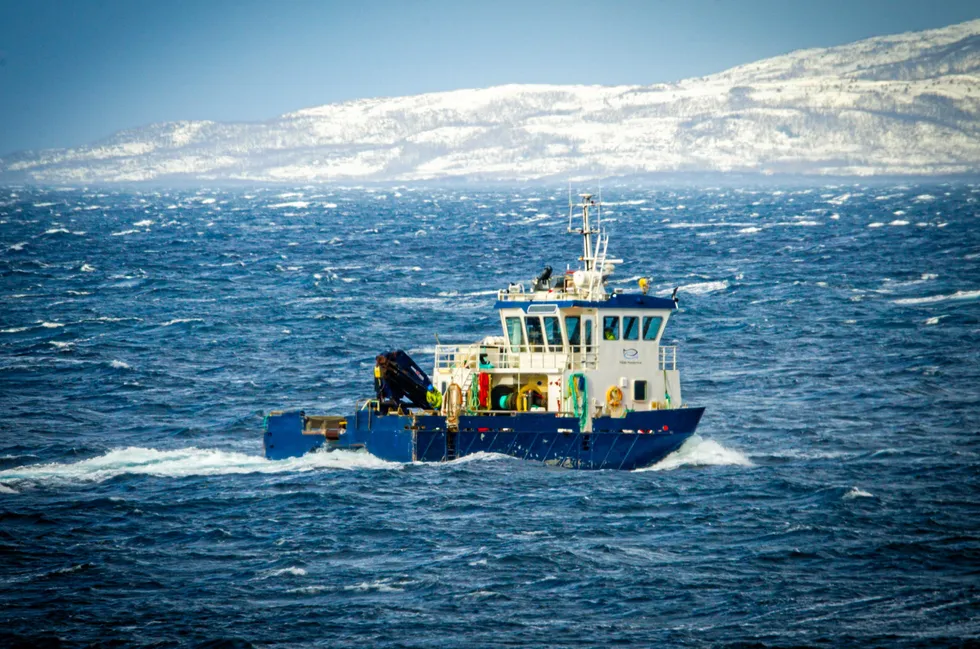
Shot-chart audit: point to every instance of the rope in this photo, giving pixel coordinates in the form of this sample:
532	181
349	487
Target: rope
578	394
473	394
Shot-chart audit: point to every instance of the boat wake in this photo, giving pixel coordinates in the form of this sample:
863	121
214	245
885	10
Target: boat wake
179	463
697	451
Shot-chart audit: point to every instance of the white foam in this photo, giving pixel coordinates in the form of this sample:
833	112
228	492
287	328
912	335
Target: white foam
179	321
86	268
56	231
62	345
709	225
697	451
899	222
183	462
934	320
13	330
51	325
481	456
308	590
17	247
143	223
291	571
699	288
854	492
958	295
750	230
876	224
120	365
4	489
297	204
379	586
125	232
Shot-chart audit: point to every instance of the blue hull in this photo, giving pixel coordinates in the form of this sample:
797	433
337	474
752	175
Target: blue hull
637	440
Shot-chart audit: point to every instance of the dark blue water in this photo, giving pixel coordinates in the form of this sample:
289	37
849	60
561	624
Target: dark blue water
831	499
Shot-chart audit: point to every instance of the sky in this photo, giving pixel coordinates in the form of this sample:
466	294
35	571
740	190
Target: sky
75	71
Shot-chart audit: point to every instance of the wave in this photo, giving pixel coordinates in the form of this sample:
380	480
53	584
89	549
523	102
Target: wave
854	492
300	205
182	463
699	288
958	295
180	321
697	451
482	456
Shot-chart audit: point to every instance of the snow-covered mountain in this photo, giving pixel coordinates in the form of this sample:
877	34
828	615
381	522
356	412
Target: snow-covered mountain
907	104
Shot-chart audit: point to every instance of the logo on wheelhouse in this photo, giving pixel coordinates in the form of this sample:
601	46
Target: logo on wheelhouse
631	354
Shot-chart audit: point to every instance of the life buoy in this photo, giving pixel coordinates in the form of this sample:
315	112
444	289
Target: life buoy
614	396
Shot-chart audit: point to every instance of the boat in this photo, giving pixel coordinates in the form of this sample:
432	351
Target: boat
576	378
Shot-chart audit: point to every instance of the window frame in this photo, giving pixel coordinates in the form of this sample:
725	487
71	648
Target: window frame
644	327
636	328
616	331
514	348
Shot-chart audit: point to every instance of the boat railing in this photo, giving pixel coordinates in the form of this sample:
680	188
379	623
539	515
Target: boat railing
515	357
668	357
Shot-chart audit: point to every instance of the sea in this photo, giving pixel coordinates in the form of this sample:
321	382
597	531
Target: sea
831	497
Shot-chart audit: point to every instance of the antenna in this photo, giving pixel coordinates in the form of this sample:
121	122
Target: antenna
570	206
598	212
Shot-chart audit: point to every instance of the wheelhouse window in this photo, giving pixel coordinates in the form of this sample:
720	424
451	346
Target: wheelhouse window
552	332
651	327
610	327
535	337
588	335
631	327
573	325
515	334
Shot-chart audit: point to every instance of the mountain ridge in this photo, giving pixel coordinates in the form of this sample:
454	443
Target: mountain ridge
896	105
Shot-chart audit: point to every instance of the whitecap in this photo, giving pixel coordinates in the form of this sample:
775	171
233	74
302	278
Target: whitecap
50	325
120	365
57	231
898	222
183	462
957	296
87	269
4	489
876	224
934	320
855	492
144	223
750	230
481	456
180	321
297	204
17	247
379	586
125	232
697	451
292	571
699	288
63	346
13	330
308	590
